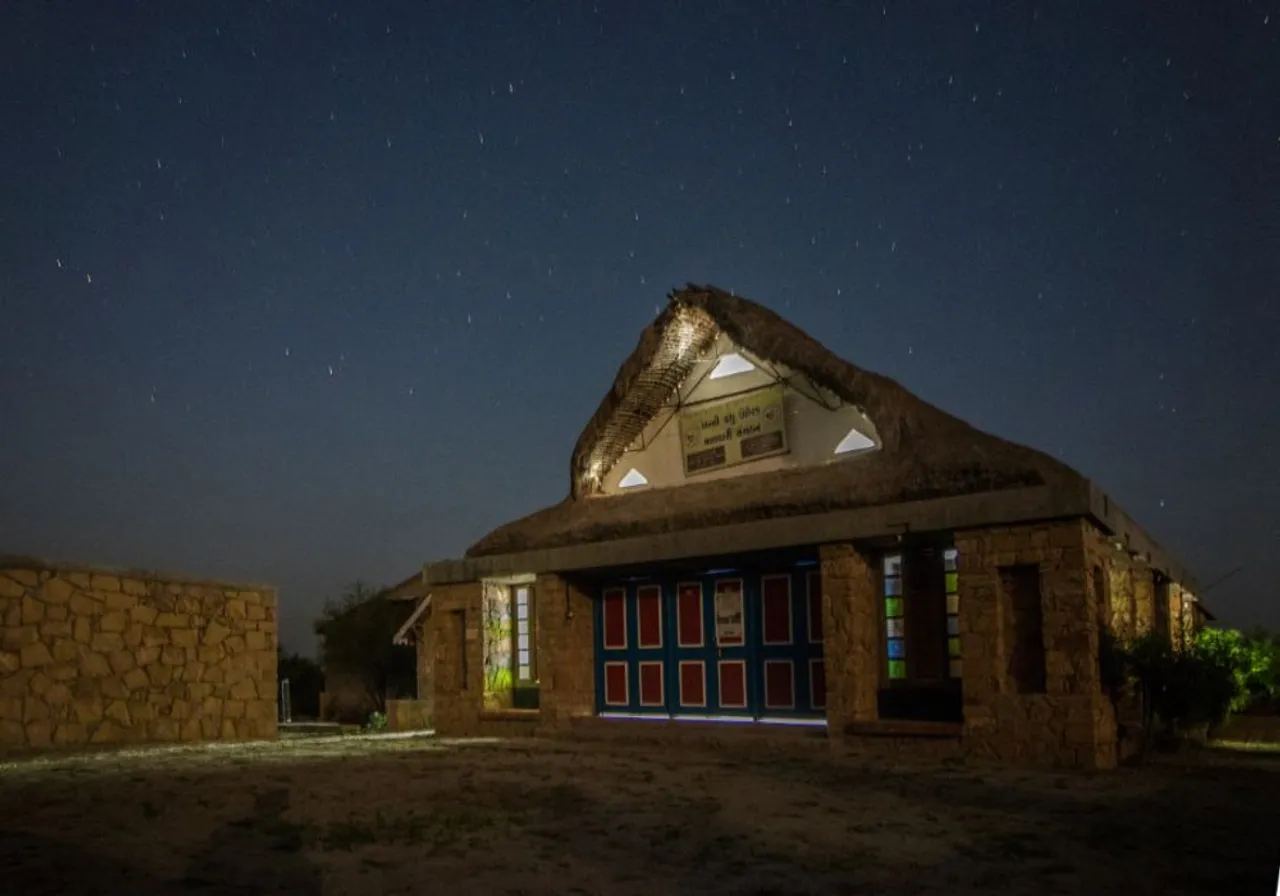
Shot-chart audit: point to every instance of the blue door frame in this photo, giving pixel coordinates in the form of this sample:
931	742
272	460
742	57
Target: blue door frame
652	659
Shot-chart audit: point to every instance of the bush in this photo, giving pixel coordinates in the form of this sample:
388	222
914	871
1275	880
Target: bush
1183	689
377	722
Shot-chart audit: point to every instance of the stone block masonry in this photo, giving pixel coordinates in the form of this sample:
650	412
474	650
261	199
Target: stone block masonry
90	656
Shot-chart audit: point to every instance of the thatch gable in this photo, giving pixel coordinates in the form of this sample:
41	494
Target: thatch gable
925	452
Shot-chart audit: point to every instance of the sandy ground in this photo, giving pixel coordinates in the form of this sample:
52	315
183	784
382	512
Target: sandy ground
363	816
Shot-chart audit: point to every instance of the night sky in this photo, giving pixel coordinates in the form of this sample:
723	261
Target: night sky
299	295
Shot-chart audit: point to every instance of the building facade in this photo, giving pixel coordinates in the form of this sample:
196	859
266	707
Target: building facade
759	533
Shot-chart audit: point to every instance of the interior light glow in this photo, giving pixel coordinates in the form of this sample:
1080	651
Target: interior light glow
730	364
633	479
854	441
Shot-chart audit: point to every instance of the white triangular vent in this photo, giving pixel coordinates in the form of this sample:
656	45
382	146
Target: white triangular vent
854	441
730	364
633	479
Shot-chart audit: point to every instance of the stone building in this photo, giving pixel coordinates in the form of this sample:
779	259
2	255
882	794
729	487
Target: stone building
100	656
760	533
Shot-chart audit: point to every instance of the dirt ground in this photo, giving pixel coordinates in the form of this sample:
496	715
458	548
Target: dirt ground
424	816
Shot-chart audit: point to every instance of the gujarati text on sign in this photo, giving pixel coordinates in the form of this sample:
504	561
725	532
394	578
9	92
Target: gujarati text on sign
740	429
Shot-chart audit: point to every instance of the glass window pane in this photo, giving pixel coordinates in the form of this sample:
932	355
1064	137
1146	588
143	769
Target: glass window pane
953	625
522	612
949	558
893	565
897	648
895	627
523	673
953	646
523	657
897	669
893	586
953	603
956	668
953	582
893	606
522	641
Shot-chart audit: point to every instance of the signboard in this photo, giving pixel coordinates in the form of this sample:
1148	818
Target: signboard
734	431
729	612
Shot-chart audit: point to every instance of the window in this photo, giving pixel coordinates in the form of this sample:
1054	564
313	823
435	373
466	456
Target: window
524	633
894	617
954	667
731	364
854	441
633	479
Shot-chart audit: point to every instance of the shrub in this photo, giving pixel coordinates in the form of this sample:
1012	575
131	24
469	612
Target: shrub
1182	689
377	722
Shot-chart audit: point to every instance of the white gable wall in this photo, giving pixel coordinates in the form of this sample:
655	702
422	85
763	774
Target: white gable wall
813	431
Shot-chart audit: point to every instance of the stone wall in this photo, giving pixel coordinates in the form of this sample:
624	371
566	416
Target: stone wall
851	635
1071	723
408	715
565	650
98	657
452	643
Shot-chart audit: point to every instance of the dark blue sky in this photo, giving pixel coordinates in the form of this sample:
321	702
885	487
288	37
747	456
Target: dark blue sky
300	296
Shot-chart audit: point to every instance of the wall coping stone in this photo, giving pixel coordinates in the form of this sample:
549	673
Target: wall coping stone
25	561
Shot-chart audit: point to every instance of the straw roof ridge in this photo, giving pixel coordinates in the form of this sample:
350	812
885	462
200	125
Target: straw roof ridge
925	451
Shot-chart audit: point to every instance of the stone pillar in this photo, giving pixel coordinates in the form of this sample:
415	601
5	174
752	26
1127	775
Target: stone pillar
457	650
851	636
1070	722
565	650
982	648
426	638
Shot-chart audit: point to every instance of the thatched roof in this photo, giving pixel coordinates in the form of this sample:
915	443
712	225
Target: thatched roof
925	452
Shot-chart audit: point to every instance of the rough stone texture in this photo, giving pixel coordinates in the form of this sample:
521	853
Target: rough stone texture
454	635
565	650
564	656
1072	723
426	646
96	657
408	715
851	635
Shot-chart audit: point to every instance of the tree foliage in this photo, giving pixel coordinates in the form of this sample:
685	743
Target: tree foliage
306	681
356	631
1221	672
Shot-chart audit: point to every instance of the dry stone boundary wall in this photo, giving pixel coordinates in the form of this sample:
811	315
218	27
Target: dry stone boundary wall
100	657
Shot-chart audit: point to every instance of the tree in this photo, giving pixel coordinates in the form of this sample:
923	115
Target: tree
356	632
306	681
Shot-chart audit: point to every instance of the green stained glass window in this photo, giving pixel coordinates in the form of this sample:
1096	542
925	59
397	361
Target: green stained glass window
953	582
895	646
953	647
